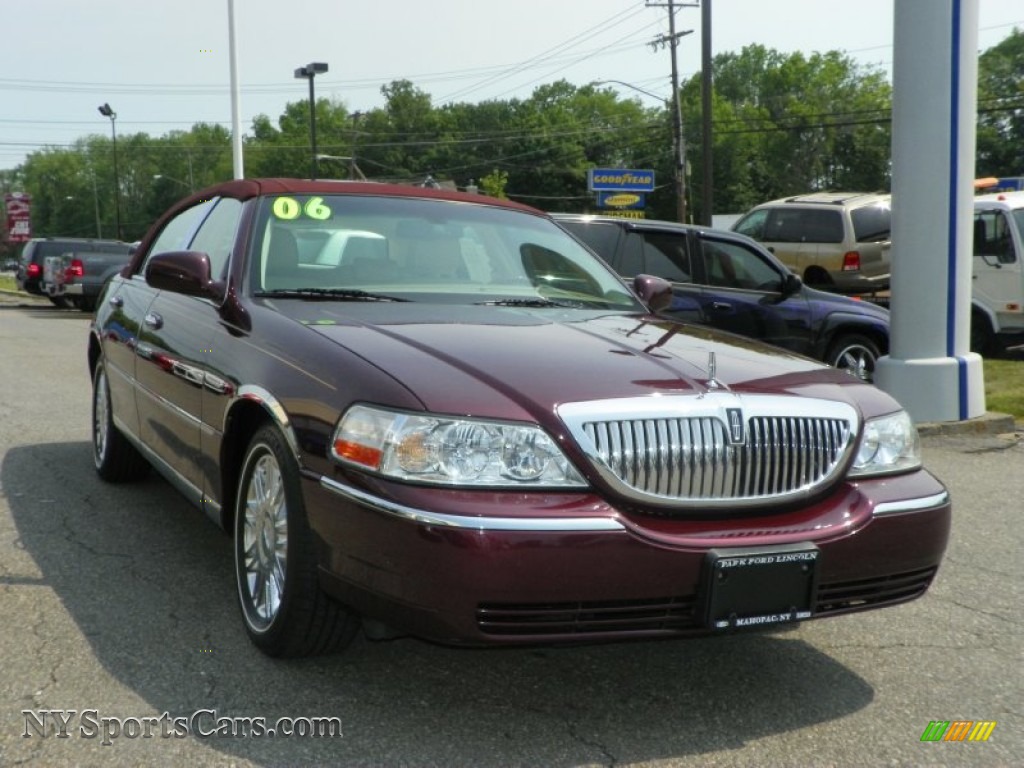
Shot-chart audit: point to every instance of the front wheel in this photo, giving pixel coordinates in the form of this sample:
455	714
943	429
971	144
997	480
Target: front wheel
286	612
854	353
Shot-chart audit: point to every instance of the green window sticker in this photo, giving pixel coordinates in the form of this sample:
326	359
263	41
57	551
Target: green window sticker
289	208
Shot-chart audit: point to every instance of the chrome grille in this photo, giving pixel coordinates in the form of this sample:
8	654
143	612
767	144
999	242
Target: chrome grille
679	450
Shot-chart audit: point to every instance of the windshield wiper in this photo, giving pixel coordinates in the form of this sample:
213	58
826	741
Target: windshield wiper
338	294
537	302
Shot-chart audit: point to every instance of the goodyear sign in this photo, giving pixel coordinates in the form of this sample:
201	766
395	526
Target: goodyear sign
620	200
619	180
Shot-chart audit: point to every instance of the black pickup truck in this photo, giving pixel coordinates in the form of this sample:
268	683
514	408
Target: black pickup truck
78	277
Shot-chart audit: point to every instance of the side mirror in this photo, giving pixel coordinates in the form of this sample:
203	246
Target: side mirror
791	284
186	272
655	292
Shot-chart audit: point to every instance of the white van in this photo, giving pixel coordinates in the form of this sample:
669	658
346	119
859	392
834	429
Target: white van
997	296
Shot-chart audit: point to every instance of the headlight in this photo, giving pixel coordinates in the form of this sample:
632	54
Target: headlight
889	444
451	451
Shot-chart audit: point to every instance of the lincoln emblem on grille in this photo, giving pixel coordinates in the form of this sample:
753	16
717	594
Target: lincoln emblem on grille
735	425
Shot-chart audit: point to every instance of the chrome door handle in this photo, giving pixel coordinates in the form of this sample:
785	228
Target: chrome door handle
153	320
115	301
721	306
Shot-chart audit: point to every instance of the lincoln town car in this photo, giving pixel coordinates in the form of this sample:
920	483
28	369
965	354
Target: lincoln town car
435	413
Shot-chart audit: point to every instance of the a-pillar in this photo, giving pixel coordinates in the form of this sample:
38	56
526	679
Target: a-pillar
930	368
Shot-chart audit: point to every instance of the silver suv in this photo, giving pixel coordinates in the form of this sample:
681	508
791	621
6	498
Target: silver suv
834	240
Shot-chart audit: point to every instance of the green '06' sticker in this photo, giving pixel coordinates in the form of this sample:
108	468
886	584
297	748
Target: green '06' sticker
289	208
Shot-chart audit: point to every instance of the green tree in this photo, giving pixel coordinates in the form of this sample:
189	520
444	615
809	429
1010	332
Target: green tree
1001	108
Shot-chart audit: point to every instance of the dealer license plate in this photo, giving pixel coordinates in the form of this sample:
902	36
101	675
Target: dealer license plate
759	586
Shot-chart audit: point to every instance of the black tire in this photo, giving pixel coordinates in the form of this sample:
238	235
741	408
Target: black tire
854	353
116	460
285	611
816	277
60	301
983	341
86	304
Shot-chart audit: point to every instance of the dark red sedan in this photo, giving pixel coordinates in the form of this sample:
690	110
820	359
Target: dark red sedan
439	413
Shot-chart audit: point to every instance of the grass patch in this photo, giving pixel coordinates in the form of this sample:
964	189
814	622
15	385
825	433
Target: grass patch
1004	387
7	283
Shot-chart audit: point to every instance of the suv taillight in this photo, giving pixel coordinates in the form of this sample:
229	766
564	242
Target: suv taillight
33	270
76	269
851	261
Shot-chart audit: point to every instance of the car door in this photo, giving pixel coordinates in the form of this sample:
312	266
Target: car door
173	340
743	293
665	254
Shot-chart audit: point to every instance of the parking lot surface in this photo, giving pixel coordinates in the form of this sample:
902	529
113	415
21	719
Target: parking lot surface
117	602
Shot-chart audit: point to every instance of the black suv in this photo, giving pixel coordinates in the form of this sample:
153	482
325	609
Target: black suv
731	282
33	255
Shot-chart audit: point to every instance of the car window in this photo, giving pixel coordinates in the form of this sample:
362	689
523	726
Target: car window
424	250
602	237
871	223
803	225
732	265
992	237
177	232
667	255
752	225
216	236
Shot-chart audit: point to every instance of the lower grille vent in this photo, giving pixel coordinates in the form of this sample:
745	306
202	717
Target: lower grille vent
586	618
844	596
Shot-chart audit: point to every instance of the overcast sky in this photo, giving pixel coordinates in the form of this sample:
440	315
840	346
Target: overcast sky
164	65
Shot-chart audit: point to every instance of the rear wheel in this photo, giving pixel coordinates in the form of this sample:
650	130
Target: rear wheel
286	612
854	353
816	277
60	301
983	341
116	460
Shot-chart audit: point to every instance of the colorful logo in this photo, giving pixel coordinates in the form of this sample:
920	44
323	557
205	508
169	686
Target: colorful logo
958	730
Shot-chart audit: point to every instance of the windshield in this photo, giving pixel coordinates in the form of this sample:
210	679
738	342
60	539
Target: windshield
424	250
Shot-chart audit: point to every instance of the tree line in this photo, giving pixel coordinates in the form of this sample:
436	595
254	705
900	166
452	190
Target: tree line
782	123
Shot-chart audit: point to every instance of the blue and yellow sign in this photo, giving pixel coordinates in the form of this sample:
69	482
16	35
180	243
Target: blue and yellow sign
619	180
621	200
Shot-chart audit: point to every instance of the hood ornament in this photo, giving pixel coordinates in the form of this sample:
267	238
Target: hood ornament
713	382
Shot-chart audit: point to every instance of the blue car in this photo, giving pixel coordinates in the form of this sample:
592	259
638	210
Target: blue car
728	281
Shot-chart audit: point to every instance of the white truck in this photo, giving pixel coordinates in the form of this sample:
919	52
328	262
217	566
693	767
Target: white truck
997	296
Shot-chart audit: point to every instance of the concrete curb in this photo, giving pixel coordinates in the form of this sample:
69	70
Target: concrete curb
988	424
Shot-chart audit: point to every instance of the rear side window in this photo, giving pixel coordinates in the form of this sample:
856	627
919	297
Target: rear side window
871	223
666	255
599	236
804	225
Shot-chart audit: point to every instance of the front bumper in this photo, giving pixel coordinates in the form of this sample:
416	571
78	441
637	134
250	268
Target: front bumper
510	568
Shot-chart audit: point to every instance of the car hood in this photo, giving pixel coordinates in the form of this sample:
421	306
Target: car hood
515	363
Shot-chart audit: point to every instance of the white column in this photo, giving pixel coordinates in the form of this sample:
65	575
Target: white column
930	368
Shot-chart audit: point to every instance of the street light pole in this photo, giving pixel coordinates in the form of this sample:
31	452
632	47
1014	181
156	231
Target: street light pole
310	71
106	111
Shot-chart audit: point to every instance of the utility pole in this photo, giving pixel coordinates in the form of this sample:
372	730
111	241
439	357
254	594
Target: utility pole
672	39
707	202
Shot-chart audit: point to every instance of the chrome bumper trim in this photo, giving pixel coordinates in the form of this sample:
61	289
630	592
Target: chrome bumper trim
549	524
911	505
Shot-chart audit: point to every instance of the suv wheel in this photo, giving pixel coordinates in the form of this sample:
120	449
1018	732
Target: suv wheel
854	353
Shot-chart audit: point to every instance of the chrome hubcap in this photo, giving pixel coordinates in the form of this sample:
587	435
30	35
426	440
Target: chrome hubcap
265	539
856	361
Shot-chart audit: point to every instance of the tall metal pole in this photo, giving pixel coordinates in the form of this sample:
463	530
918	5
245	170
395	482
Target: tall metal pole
312	128
107	111
707	160
236	127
